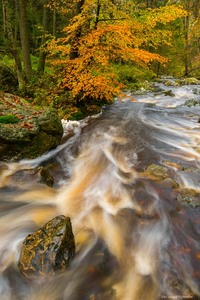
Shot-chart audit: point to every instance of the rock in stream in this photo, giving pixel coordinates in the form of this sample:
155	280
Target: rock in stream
49	249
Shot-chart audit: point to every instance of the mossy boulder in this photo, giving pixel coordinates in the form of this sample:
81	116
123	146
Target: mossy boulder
189	81
171	83
156	172
26	131
49	249
160	174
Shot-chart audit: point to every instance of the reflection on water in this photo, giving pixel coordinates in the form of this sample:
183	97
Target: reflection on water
134	239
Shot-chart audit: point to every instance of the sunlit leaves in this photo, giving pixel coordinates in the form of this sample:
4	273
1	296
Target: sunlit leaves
99	37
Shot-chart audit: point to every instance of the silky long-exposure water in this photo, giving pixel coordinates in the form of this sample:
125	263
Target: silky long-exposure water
137	236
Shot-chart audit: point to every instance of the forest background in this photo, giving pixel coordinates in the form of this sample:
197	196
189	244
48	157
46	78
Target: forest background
76	56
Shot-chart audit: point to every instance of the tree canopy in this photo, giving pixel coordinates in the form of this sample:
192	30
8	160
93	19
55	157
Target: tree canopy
102	33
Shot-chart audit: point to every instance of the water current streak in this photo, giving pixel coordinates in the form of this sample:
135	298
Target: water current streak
134	238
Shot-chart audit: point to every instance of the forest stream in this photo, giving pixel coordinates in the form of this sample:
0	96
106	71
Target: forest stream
137	236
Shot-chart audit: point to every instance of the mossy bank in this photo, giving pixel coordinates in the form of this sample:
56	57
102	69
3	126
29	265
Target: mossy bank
26	131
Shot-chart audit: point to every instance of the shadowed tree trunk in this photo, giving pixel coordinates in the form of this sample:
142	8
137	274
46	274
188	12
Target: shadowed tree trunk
186	58
42	55
97	14
74	50
11	44
24	35
54	22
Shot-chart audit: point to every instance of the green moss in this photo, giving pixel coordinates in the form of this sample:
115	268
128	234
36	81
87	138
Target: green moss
8	119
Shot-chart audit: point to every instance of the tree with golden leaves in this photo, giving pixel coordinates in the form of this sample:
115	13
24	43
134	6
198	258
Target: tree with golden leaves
104	32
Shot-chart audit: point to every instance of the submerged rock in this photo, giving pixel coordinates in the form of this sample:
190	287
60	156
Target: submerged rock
49	249
37	175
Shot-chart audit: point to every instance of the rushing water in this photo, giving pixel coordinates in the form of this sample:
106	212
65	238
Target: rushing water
134	239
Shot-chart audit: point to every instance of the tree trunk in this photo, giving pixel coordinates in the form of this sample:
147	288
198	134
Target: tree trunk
12	45
18	65
186	56
4	16
74	49
54	22
42	55
97	14
24	35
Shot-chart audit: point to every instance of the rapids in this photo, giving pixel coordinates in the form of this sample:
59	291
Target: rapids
134	239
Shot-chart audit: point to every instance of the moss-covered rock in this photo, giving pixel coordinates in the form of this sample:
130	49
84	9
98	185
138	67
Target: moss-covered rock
37	131
156	172
189	197
188	81
49	249
191	102
160	174
171	83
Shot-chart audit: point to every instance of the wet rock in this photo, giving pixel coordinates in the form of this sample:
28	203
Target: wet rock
171	83
171	183
157	90
189	198
188	81
36	132
156	171
49	249
160	174
166	93
45	176
169	93
179	288
191	102
196	91
36	175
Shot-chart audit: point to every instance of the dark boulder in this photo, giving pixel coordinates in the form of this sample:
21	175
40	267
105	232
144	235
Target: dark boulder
8	79
49	249
36	175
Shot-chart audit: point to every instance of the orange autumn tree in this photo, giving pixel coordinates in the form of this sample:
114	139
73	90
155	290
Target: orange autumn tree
104	32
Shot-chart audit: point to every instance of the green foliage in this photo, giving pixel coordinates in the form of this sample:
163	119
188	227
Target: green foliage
133	77
76	116
128	73
7	60
8	119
